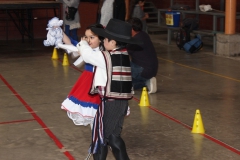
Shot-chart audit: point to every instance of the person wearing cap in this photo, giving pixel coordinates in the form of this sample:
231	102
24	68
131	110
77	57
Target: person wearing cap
113	82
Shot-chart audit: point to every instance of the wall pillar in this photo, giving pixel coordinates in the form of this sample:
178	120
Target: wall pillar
228	44
230	16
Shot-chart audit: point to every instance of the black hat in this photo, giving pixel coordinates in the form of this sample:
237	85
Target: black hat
117	30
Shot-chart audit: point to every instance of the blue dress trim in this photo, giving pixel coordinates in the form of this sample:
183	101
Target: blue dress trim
82	103
89	67
74	42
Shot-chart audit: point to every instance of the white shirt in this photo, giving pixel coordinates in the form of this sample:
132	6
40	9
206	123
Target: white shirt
96	59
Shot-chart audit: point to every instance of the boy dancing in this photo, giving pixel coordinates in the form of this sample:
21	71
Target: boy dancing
113	82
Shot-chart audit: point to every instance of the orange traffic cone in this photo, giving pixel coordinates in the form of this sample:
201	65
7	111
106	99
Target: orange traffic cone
144	98
55	54
65	61
198	124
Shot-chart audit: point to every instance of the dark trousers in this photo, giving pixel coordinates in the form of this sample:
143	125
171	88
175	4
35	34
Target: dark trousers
114	113
138	81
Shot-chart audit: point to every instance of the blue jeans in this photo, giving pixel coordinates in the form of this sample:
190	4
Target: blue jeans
138	81
71	33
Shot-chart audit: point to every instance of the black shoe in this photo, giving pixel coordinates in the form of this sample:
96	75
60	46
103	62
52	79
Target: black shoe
118	147
102	153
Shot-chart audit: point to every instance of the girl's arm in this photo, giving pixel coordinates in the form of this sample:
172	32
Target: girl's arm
69	40
89	56
66	39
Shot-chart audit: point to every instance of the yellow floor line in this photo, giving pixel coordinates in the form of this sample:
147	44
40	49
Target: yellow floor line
219	75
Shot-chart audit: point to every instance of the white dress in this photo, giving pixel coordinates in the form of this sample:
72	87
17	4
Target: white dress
106	12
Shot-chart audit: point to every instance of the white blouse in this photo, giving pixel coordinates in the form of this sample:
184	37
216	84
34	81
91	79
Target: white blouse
94	57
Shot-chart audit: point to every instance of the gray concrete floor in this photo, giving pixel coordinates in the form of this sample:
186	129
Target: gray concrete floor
32	125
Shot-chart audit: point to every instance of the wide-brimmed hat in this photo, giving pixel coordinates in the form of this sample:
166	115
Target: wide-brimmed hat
117	30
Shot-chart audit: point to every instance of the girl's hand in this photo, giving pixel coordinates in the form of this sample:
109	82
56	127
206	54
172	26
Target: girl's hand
146	16
83	38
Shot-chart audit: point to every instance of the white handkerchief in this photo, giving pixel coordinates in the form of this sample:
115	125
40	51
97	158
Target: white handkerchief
69	47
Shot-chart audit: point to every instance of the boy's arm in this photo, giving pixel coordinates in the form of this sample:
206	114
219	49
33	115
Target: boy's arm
89	56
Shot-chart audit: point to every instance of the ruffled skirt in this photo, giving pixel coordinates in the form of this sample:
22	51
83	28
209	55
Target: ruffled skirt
81	107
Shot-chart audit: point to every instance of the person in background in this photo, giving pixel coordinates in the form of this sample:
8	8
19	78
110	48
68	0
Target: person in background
121	10
117	9
137	11
71	17
105	10
144	62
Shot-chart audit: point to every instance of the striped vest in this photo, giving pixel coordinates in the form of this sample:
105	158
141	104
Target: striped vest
119	78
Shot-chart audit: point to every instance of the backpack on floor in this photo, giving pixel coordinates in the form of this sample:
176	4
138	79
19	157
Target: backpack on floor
190	24
182	37
194	45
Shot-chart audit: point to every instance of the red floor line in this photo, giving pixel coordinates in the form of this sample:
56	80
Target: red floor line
38	119
183	124
18	121
190	128
222	144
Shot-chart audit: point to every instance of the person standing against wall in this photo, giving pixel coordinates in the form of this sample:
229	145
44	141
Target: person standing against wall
117	9
105	10
121	9
71	17
137	11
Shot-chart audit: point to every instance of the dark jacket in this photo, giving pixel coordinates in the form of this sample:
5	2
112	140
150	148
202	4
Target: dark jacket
144	55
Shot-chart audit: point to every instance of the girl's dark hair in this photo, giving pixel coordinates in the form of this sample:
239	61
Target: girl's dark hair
97	25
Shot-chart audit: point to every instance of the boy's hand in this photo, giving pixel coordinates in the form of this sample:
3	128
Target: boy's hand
146	15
